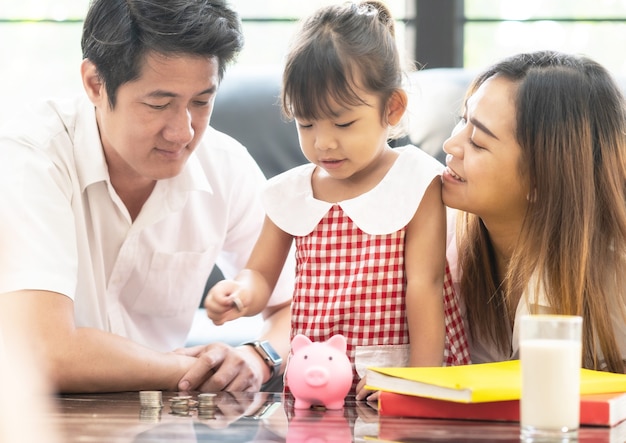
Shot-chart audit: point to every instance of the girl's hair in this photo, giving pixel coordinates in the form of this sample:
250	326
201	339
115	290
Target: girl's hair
339	48
570	124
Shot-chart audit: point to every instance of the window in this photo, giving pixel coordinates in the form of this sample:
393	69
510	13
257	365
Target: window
496	28
268	26
41	52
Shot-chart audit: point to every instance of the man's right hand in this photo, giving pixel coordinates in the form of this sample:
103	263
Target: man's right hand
220	367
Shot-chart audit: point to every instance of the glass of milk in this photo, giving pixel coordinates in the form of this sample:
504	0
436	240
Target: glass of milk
551	356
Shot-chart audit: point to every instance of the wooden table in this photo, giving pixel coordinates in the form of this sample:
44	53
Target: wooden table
266	417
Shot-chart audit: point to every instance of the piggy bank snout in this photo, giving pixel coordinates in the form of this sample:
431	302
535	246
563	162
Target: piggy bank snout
316	375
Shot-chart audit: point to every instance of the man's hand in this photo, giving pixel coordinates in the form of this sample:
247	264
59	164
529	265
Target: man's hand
233	406
220	367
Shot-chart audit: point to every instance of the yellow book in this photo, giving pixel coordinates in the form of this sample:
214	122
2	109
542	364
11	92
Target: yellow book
477	383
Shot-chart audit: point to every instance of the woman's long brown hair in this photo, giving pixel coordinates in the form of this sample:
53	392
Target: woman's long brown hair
571	126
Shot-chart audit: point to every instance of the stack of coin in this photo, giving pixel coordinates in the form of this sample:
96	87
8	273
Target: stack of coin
150	415
207	400
180	405
150	399
207	405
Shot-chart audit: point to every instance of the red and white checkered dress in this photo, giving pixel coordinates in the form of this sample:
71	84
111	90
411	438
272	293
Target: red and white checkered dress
352	282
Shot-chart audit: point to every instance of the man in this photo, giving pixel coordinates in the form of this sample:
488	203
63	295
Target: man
116	206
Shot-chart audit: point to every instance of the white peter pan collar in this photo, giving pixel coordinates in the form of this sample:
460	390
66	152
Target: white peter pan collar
289	202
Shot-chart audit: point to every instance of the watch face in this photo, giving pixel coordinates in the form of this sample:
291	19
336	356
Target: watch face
272	354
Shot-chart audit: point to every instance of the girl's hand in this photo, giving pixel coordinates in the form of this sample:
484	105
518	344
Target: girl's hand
224	302
365	394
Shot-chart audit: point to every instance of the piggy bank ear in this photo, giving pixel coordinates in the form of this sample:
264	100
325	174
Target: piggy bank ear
299	341
338	342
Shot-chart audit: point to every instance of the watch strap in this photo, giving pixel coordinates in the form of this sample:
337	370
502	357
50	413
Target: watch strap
261	348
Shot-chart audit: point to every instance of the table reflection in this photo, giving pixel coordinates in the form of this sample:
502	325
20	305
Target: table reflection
267	417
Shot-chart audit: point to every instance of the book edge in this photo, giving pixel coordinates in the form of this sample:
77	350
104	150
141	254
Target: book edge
378	381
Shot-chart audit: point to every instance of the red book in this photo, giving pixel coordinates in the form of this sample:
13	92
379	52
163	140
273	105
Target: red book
595	409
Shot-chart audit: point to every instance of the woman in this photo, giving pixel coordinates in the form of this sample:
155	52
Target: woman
537	168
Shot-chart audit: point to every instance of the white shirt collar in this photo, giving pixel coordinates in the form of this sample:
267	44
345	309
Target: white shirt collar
388	207
92	167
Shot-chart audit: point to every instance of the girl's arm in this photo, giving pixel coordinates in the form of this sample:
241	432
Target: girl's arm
250	291
425	260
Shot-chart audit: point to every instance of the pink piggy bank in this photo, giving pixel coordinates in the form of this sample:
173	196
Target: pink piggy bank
319	373
313	426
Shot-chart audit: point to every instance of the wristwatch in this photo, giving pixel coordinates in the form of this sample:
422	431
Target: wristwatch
268	354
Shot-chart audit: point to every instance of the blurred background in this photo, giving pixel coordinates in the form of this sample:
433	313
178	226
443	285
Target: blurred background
40	50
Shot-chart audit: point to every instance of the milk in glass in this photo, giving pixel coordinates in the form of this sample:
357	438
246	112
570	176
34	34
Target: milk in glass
551	360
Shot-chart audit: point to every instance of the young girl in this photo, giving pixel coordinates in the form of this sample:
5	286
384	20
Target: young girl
538	165
368	221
